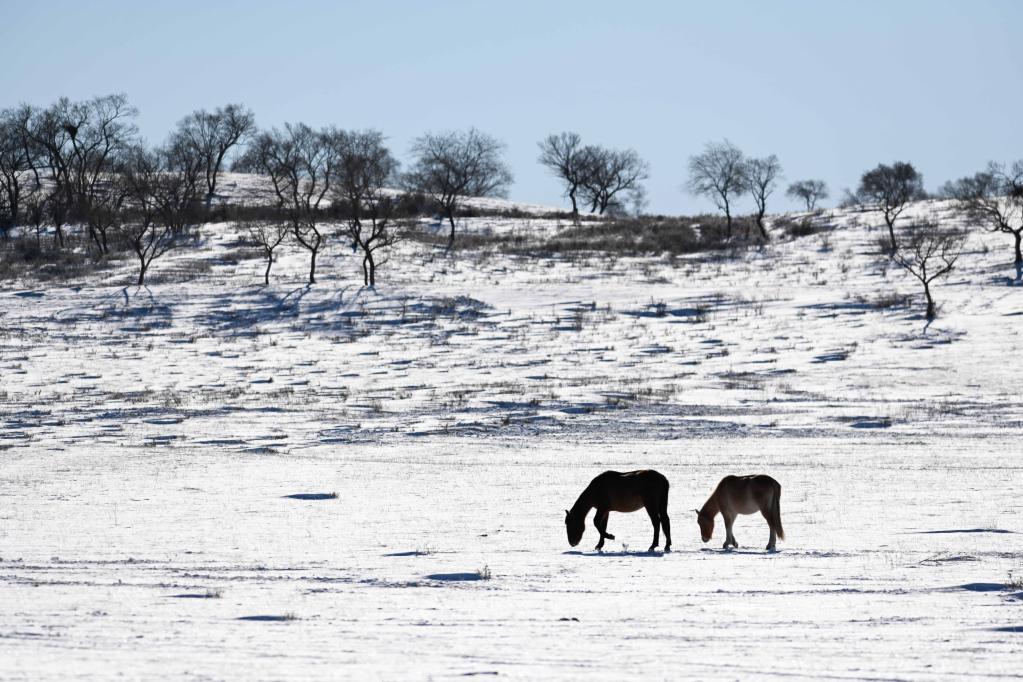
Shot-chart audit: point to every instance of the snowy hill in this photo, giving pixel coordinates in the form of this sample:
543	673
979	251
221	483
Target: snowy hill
255	190
152	437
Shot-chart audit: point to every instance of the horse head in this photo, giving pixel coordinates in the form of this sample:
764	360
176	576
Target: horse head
575	527
706	522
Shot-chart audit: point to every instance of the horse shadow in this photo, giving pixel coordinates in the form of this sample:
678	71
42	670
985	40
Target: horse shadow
620	553
751	552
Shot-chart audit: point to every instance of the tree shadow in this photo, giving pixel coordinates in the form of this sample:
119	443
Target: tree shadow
454	577
982	587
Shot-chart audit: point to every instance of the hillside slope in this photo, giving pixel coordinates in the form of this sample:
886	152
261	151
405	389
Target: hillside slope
152	437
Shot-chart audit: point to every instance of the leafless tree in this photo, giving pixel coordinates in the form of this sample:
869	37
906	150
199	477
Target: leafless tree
810	191
300	164
208	137
20	120
160	204
36	205
611	172
453	165
140	225
929	252
890	189
761	176
365	166
81	144
993	199
14	163
56	208
571	162
269	234
718	174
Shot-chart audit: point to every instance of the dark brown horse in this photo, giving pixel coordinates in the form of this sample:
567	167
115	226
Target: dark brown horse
621	492
742	495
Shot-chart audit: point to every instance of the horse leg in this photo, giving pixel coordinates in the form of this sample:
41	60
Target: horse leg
600	523
654	519
774	537
729	538
665	521
666	524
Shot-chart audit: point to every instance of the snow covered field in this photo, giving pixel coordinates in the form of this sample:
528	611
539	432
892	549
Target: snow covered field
214	479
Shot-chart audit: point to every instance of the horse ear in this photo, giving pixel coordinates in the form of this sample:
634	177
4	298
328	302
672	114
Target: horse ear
697	511
567	514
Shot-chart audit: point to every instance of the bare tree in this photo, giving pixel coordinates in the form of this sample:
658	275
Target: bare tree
269	234
300	164
81	144
611	172
890	189
994	200
453	165
160	204
14	162
36	205
718	174
929	252
208	136
762	177
140	226
850	200
810	191
364	167
571	162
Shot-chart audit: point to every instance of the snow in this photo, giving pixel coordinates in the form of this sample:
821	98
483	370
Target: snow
209	478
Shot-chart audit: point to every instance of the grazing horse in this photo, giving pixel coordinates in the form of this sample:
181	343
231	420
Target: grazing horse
742	495
621	492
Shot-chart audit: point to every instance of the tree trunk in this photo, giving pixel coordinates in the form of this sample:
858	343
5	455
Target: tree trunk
269	263
763	230
728	221
14	201
451	236
312	265
891	234
930	301
575	206
1019	254
95	238
372	271
142	271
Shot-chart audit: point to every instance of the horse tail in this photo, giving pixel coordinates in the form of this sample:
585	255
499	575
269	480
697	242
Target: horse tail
663	506
776	512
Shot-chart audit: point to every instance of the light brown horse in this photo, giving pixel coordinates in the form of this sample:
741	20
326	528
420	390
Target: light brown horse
742	495
621	492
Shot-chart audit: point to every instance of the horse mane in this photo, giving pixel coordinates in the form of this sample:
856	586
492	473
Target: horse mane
711	506
583	504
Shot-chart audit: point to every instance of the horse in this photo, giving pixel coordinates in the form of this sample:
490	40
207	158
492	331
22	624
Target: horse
742	495
621	492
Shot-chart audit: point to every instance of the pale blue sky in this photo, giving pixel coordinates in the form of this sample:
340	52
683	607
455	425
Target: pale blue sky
831	87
